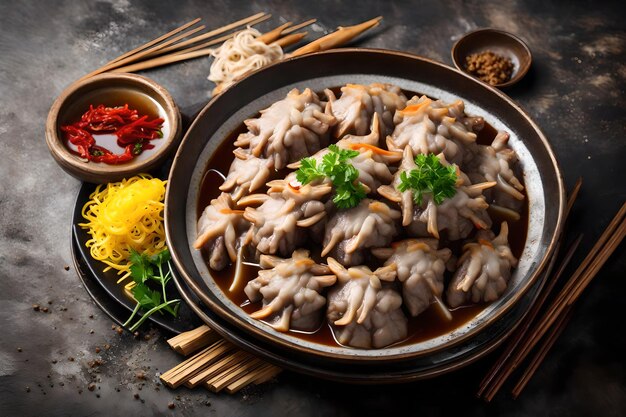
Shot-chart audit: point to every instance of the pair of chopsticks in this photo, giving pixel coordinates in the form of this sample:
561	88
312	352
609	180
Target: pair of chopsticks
547	328
173	47
218	365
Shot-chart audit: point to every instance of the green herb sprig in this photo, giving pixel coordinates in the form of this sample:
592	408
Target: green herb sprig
430	177
143	270
335	166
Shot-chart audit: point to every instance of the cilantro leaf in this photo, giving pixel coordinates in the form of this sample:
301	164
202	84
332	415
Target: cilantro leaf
308	171
140	267
343	175
161	258
430	177
145	296
142	270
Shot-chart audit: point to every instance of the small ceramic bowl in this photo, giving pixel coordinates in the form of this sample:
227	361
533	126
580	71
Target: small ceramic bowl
499	42
112	90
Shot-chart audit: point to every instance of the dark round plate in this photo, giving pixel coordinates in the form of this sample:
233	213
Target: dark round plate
102	286
334	68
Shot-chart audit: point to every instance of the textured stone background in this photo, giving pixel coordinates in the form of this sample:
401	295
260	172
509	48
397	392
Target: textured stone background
575	91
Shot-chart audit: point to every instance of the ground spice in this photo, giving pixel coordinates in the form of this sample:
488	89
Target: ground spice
489	67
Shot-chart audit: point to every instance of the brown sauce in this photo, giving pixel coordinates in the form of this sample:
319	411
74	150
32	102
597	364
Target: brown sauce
429	324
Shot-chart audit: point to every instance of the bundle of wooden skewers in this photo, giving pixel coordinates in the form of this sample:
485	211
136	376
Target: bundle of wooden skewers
218	365
179	44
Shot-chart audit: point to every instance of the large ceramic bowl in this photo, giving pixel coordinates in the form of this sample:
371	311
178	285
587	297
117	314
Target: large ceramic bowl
224	114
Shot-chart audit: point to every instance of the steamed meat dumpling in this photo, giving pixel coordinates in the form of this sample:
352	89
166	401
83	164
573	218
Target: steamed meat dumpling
458	215
484	271
291	291
429	126
358	103
279	223
247	174
289	130
363	313
420	268
220	227
495	163
349	232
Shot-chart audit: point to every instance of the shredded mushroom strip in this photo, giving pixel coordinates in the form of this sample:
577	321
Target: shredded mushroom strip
240	55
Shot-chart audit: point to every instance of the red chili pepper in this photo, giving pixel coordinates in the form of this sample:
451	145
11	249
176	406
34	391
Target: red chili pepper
133	132
107	119
139	129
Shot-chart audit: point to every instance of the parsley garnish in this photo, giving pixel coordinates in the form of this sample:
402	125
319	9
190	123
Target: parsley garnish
335	166
430	177
143	270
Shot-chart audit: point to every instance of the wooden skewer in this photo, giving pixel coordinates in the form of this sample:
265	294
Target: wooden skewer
233	386
218	367
521	333
251	21
338	37
187	369
193	340
136	57
285	41
203	45
273	34
154	41
298	26
230	375
163	60
269	374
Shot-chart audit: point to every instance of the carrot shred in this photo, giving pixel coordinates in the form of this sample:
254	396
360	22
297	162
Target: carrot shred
375	149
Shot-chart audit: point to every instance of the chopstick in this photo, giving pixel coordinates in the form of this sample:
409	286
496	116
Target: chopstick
541	354
560	311
556	315
524	327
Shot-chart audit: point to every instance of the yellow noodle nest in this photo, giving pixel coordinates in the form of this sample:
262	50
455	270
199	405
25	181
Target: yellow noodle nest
122	216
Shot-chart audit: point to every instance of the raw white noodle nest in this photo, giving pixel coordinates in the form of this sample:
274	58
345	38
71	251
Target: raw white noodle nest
240	55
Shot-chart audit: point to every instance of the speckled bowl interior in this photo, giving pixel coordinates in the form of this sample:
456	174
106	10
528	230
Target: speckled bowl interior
221	116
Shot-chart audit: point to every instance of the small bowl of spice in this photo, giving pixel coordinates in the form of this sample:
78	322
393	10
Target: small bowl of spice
112	126
495	57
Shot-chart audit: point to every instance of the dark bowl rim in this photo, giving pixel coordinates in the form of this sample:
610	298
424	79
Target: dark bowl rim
521	72
106	173
224	312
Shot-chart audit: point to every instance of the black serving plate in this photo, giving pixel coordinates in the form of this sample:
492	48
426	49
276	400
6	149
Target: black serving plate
103	287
